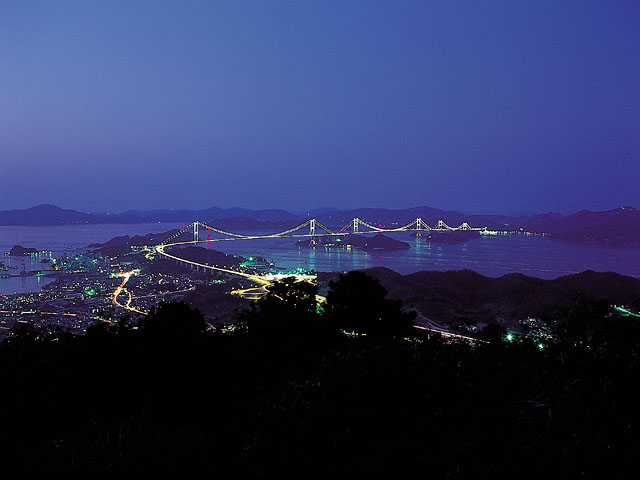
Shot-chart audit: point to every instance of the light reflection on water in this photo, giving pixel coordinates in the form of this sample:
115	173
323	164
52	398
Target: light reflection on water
492	256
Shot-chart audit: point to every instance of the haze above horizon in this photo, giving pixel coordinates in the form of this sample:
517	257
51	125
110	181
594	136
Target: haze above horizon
483	107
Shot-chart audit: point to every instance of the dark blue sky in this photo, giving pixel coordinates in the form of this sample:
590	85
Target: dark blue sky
492	106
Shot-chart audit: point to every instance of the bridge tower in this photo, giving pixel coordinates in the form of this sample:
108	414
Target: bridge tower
312	231
355	224
195	231
442	226
418	224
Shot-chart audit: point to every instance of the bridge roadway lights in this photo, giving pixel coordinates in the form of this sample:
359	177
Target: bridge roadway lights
418	225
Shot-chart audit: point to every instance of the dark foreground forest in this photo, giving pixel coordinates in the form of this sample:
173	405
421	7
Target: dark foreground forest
351	389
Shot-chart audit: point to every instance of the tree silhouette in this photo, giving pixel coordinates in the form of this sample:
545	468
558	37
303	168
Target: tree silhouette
593	324
173	319
357	303
289	294
285	331
126	402
581	320
289	307
493	333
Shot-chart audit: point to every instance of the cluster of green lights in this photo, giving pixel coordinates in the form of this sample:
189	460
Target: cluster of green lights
90	291
510	337
353	333
626	312
248	261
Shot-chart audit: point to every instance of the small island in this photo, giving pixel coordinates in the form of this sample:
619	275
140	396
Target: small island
461	236
368	244
20	251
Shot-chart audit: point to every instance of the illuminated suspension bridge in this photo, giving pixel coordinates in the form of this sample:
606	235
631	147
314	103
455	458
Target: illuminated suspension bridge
317	229
310	228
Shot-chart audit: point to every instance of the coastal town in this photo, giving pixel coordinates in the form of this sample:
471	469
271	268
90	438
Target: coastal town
85	288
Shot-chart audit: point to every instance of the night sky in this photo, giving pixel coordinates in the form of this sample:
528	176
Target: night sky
479	106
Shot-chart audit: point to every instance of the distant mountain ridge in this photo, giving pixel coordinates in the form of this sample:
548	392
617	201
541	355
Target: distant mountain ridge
617	227
45	215
48	215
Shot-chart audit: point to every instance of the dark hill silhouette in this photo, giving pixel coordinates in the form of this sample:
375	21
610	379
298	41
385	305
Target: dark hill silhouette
20	251
377	242
317	212
208	256
123	244
447	296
